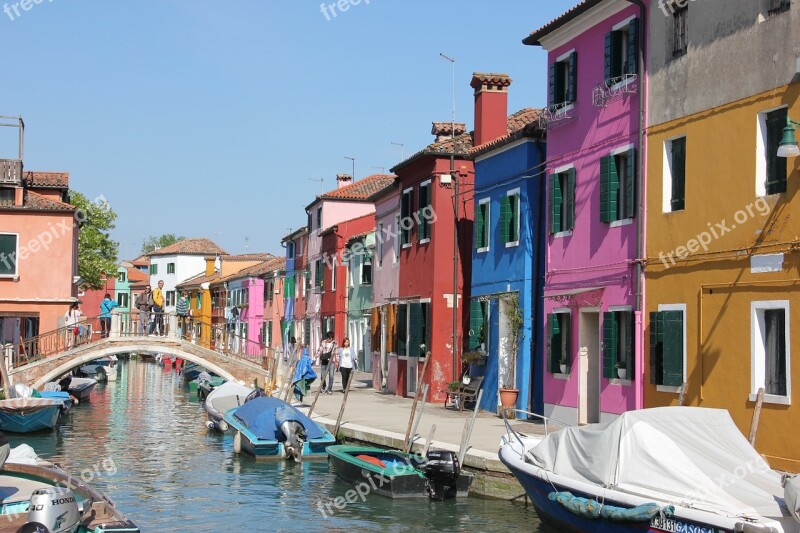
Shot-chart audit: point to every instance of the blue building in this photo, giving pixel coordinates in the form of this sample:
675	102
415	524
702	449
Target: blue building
508	257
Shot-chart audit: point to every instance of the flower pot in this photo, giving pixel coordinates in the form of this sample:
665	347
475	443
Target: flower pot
563	368
622	373
508	397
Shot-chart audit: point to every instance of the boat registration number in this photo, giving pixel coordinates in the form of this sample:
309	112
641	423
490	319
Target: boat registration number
676	526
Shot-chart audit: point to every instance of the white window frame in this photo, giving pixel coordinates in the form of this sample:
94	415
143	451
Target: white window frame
487	224
758	352
619	27
616	381
123	296
16	258
761	150
562	311
623	150
558	172
681	308
319	220
561	59
667	176
333	275
378	262
516	192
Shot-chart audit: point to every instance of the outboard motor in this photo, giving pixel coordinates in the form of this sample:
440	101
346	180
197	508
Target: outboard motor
257	393
295	439
54	508
441	473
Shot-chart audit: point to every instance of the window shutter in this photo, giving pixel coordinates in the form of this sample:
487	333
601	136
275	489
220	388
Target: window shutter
552	99
555	204
415	329
610	345
678	202
513	222
655	348
776	166
605	190
566	331
554	343
570	200
475	323
572	78
505	218
673	348
480	241
609	54
630	185
630	343
402	329
423	203
307	331
613	189
633	47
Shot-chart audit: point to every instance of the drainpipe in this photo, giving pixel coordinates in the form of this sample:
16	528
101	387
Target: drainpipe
640	197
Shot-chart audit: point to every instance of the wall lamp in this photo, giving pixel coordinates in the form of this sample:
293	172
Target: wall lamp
788	146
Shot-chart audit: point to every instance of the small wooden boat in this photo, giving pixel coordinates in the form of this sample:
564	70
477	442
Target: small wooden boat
222	399
66	400
206	384
191	371
396	474
81	388
271	428
26	415
102	370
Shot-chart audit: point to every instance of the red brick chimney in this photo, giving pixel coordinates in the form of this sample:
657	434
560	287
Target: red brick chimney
343	180
491	106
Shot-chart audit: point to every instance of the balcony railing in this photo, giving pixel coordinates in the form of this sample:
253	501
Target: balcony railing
10	171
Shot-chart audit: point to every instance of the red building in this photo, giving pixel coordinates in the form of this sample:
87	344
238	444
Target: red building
334	290
427	232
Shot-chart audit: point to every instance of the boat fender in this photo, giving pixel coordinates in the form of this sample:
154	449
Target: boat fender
237	442
592	509
209	424
222	425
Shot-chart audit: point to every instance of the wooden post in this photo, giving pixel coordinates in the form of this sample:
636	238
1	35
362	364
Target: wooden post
341	409
416	398
682	396
290	377
430	440
756	415
465	442
319	391
410	441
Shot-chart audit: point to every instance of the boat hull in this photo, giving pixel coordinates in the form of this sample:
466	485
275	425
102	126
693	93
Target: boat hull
82	390
28	419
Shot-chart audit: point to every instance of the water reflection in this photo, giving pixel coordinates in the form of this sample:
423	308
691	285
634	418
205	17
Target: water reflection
174	475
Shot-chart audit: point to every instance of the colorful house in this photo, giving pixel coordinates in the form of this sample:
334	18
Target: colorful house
429	289
38	251
273	274
593	287
296	284
721	279
359	260
509	243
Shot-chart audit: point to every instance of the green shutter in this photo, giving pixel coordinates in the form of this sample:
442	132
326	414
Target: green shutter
572	77
566	331
556	201
424	200
633	47
476	321
605	190
552	99
673	348
630	186
776	166
288	287
678	201
513	223
505	218
609	49
402	329
630	344
307	331
416	329
480	237
570	200
554	343
655	348
610	345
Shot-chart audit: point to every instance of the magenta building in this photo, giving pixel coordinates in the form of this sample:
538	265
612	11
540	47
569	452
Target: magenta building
593	286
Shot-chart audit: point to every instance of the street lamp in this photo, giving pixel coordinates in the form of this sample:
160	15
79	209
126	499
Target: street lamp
788	147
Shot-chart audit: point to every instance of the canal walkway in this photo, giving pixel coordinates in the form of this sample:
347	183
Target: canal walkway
372	417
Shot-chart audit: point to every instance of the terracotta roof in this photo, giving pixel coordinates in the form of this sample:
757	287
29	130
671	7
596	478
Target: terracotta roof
37	202
493	79
534	38
190	247
362	190
277	263
141	261
460	147
198	280
296	233
446	128
521	124
247	257
52	180
137	276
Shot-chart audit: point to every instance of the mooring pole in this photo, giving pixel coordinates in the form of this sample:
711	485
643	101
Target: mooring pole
341	409
756	416
410	442
468	432
416	398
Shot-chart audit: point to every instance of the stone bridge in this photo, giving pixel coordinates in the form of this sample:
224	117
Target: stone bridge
41	371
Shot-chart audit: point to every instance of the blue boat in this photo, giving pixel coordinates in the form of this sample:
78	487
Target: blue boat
26	415
271	428
65	398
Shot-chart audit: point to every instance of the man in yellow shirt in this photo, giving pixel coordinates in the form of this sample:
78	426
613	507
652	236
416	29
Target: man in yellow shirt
158	309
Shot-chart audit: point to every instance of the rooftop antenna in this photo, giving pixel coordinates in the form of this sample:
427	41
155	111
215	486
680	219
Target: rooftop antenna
353	159
15	122
246	244
382	169
322	183
402	150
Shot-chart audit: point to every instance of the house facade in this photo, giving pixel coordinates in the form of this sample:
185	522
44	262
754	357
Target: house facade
722	266
359	260
296	285
593	297
273	274
509	243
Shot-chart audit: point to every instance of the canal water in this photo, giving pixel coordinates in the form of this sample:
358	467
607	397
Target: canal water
142	441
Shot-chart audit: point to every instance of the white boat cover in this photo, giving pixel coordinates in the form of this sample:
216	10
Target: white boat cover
227	396
688	456
24	455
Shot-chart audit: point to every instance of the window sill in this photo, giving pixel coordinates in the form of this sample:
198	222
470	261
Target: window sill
482	250
9	276
563	377
773	399
619	85
512	244
562	235
562	110
621	223
674	211
407	245
621	382
668	388
424	241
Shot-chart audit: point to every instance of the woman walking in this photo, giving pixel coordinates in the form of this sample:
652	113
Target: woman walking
72	322
346	361
106	306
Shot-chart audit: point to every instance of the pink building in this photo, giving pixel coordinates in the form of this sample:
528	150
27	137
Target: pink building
593	286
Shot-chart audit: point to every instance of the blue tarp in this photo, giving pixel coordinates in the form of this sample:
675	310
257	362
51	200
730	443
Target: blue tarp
593	510
259	417
304	376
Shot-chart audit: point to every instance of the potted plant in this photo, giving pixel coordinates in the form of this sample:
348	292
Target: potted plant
474	358
514	322
453	386
622	370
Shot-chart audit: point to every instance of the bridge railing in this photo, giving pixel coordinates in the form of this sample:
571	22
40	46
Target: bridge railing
55	342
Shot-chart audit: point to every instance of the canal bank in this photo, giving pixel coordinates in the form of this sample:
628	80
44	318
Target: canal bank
374	418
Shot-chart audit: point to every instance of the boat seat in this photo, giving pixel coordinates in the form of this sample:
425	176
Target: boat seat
464	393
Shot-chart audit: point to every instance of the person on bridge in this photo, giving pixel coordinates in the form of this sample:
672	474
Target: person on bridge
143	304
106	307
158	309
184	312
72	322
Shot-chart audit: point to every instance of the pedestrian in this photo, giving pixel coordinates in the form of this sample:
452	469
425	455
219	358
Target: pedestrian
105	315
325	353
158	309
144	303
288	355
346	360
72	322
183	311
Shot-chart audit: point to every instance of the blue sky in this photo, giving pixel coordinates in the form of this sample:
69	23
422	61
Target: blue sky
211	118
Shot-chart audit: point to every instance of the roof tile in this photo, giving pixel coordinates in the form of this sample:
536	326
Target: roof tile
59	180
190	247
363	190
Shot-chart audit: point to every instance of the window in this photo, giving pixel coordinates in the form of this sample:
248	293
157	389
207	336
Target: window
680	30
7	197
618	186
478	326
307	331
776	7
482	225
418	328
329	324
564	80
423	212
675	175
666	348
559	342
319	219
396	239
290	250
268	289
618	340
298	285
198	300
333	276
267	333
622	52
402	329
774	168
122	299
154	270
288	287
122	277
562	201
366	267
770	351
379	245
406	208
170	298
8	254
307	274
319	274
170	268
509	218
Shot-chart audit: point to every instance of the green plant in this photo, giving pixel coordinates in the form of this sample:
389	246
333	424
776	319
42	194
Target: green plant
515	320
471	358
2	394
454	385
621	365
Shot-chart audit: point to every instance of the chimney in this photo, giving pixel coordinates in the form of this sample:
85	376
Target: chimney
343	180
491	106
210	265
444	130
